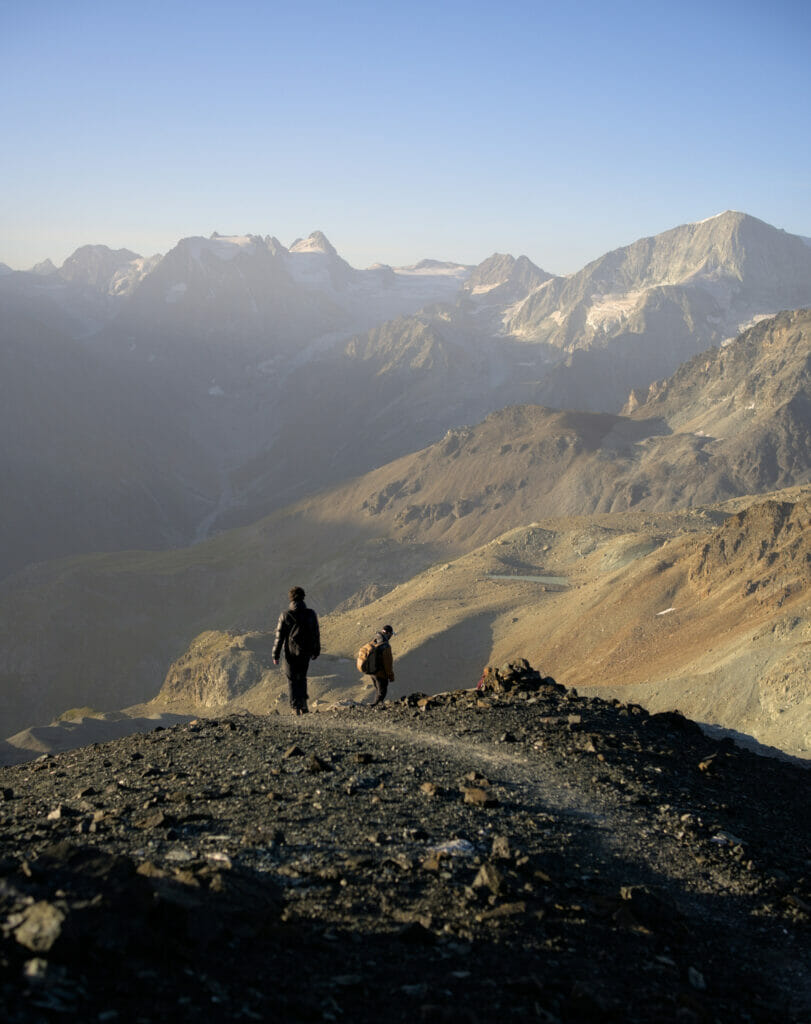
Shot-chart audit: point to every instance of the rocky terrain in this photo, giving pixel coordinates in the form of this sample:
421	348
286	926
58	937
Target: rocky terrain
517	852
705	610
607	501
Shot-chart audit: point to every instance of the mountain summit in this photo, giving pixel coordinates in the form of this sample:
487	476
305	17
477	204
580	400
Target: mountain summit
316	242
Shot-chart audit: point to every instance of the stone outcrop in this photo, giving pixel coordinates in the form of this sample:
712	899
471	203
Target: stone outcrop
216	668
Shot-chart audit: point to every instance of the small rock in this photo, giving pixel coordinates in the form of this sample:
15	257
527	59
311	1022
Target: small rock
502	911
316	765
501	848
41	927
150	870
488	877
156	820
35	969
432	862
219	860
479	797
180	855
696	979
59	812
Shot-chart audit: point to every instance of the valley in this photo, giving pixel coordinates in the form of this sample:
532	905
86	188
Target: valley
223	421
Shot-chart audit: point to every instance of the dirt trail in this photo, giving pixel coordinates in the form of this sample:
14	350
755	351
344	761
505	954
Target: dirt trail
535	853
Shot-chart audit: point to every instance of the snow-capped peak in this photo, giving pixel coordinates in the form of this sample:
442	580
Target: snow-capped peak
715	216
316	242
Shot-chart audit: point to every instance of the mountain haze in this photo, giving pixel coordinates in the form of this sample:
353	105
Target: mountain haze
287	369
356	542
256	414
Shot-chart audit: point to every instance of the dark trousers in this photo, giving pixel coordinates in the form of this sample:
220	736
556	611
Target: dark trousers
381	686
295	668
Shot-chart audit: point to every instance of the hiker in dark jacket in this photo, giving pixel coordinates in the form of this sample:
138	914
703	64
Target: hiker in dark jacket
384	673
298	635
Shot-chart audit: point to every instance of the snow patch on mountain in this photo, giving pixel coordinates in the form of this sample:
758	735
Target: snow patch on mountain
128	277
435	268
715	216
317	242
224	247
610	310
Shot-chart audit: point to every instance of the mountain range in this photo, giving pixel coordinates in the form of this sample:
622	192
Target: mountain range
254	413
248	374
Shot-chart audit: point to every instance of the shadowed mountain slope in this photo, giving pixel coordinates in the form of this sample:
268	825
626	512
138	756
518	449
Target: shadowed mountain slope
668	610
123	620
88	457
242	375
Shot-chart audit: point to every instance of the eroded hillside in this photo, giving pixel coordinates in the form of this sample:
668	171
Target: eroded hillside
703	611
102	630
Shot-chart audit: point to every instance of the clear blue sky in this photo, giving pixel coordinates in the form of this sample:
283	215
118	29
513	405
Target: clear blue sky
444	129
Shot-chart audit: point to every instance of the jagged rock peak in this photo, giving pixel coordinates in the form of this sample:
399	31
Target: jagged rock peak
503	268
274	246
316	242
95	265
44	268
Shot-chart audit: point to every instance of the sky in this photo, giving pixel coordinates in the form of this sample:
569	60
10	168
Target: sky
403	131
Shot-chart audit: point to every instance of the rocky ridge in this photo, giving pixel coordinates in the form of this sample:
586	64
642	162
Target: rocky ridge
517	850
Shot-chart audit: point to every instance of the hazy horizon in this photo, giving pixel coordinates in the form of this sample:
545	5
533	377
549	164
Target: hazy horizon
414	131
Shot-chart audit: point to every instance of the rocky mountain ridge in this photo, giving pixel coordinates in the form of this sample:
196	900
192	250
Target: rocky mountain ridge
249	346
704	610
712	620
519	851
386	527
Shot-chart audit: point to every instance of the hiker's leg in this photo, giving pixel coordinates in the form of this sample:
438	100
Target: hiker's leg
381	686
293	684
298	668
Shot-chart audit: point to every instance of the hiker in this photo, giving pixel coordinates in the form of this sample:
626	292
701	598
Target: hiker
298	635
383	673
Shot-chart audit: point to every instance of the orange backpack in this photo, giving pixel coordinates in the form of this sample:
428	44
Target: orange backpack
368	658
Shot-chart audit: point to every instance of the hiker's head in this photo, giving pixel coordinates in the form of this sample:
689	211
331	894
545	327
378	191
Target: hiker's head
296	594
387	630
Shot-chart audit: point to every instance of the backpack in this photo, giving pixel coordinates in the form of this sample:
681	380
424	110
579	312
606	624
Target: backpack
301	639
368	659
